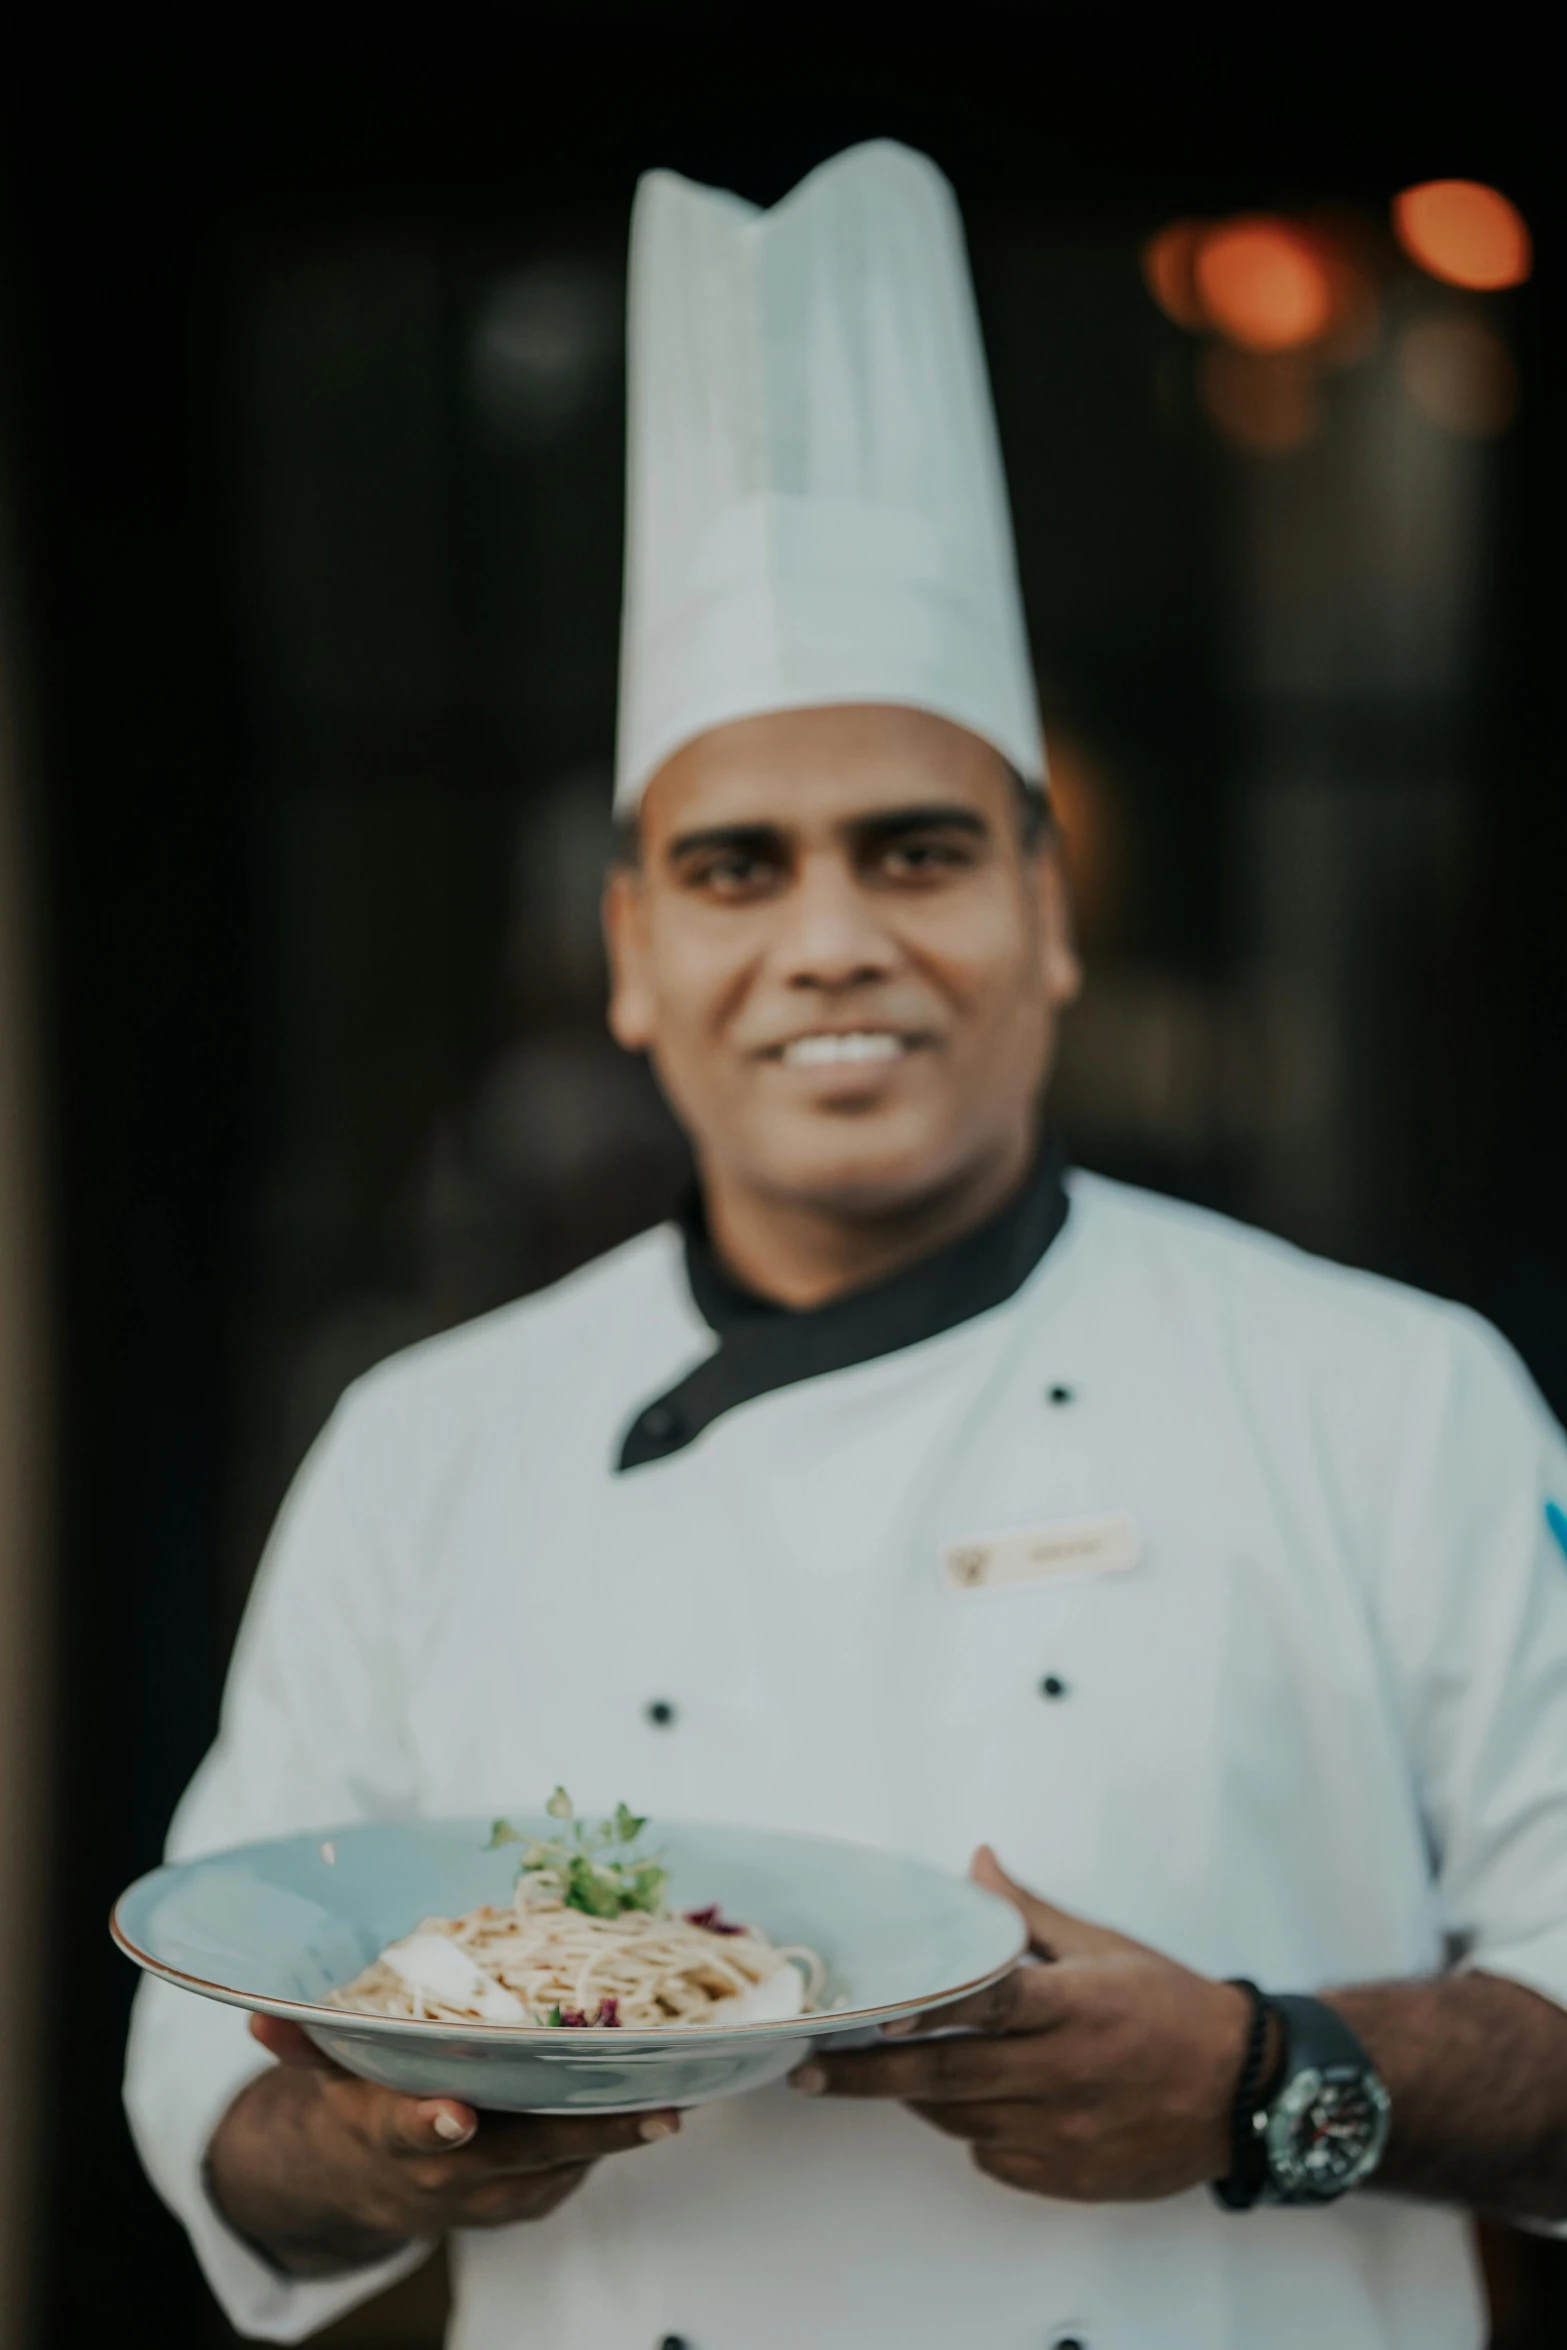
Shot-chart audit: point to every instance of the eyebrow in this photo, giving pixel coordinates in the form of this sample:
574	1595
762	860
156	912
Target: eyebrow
928	816
866	831
751	837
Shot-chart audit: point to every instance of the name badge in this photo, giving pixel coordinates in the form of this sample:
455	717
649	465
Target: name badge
1103	1545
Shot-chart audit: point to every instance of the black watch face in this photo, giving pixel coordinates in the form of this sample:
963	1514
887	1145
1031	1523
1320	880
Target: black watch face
1326	2132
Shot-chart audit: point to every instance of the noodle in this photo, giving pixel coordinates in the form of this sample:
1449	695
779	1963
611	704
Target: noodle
540	1961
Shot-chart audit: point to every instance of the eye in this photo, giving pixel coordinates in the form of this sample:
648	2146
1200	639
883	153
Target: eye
929	856
734	874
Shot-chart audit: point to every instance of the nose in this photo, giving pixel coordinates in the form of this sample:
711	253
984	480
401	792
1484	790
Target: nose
831	938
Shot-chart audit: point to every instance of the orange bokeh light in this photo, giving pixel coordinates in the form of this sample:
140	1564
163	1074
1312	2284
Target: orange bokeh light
1168	261
1263	284
1464	233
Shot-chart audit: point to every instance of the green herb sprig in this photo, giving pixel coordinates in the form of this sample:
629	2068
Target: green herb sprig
582	1860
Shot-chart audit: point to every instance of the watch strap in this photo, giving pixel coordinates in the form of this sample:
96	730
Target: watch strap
1317	2034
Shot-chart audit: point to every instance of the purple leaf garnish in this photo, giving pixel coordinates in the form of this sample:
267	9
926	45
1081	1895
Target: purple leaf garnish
607	2013
712	1920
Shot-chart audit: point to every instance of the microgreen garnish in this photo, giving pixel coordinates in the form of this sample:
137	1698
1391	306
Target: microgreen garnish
580	1860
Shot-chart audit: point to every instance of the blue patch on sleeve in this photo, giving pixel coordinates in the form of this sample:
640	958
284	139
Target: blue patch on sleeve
1556	1519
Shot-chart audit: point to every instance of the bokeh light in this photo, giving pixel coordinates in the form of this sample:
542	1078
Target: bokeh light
1168	260
1092	821
1460	374
1265	402
1263	284
1465	233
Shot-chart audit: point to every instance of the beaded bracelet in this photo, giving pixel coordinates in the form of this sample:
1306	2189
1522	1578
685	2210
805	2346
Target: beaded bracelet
1248	2171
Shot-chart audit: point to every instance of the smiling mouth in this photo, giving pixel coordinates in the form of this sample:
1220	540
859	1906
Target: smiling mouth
858	1045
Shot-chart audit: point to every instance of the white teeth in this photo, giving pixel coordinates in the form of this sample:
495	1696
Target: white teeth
825	1052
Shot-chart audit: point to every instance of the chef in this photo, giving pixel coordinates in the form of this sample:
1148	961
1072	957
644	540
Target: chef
917	1490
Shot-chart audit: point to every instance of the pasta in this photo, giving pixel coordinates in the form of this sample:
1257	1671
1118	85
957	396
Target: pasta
546	1959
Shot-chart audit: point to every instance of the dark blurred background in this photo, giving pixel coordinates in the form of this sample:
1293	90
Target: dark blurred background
310	458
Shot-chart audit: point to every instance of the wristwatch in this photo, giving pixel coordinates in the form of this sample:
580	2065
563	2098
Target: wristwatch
1319	2126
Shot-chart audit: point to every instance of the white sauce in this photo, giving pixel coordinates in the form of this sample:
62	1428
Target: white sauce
774	2000
428	1963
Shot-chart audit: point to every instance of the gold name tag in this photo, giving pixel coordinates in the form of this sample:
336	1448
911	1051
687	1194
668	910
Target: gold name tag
1104	1545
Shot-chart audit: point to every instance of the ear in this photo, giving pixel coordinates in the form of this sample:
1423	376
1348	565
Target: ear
624	914
1059	960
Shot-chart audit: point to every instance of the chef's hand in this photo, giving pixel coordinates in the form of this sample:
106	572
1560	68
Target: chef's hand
324	2173
1104	2076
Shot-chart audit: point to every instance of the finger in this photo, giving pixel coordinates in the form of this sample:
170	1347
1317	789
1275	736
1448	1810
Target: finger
1014	2168
933	2071
291	2044
513	2146
501	2203
1052	1932
1012	2122
1030	1999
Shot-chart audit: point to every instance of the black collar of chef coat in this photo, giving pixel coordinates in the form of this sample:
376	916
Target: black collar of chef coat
763	1346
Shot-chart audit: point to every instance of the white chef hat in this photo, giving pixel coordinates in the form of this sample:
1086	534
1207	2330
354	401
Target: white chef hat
816	510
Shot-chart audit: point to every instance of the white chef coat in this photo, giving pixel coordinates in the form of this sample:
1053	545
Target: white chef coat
1316	1735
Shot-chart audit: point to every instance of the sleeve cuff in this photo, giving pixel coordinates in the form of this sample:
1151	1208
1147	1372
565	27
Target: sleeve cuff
1539	1965
261	2301
189	2058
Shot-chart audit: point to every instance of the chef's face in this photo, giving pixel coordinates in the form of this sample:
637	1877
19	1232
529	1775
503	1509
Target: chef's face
843	953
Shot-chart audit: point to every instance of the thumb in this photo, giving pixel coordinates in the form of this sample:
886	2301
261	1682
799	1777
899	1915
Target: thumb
408	2125
1052	1933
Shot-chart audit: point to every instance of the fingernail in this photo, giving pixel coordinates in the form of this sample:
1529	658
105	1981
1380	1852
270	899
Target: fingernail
658	2125
900	2027
810	2080
447	2126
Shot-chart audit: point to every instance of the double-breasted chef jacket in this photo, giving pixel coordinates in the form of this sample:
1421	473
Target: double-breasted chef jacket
652	1539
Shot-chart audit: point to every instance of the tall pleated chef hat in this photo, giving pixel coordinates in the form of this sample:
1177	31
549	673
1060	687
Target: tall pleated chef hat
816	510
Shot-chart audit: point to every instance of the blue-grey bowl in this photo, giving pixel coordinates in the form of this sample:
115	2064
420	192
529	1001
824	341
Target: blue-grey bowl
273	1927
